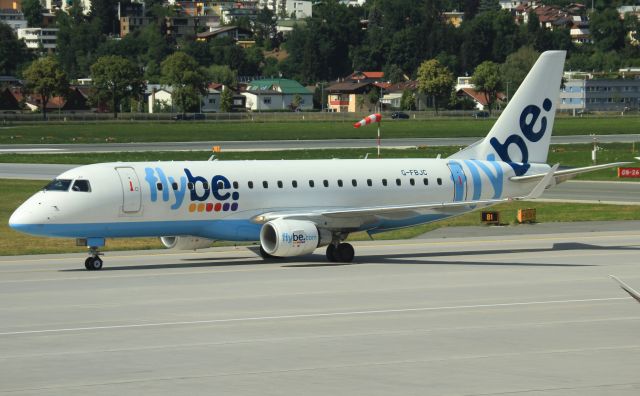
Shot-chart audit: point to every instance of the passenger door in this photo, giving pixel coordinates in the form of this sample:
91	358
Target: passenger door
131	195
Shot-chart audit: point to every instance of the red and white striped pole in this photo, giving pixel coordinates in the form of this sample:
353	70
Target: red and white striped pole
368	120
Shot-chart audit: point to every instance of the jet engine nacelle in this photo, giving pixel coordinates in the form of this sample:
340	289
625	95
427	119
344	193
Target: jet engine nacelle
287	238
185	242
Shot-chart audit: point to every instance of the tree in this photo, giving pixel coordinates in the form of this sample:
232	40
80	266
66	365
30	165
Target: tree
12	51
264	28
78	41
115	78
46	78
226	100
223	74
105	14
408	100
186	77
517	65
486	79
32	10
435	80
607	30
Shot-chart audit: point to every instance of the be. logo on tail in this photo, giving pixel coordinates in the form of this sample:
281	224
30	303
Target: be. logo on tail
528	120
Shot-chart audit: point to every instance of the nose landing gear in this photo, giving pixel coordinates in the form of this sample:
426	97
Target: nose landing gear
93	262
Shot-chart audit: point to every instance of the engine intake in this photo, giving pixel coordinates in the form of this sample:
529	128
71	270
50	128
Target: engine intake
287	238
185	242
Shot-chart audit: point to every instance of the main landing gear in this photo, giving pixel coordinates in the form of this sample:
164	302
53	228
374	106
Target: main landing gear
340	252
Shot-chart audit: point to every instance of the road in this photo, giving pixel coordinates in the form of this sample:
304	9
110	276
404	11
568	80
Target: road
531	314
285	144
579	191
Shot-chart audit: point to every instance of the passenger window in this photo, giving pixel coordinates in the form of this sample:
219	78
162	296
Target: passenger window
158	186
354	182
326	183
58	185
174	185
294	184
190	186
265	184
311	183
384	182
398	182
412	182
425	181
81	185
235	185
339	183
250	184
369	182
279	183
439	180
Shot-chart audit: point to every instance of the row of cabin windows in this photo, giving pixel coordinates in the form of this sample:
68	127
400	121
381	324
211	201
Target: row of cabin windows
340	183
312	184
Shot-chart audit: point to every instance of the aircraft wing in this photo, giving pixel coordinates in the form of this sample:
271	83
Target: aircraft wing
352	217
626	288
566	174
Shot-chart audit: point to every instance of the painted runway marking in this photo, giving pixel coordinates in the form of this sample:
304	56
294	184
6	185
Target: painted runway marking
313	315
29	150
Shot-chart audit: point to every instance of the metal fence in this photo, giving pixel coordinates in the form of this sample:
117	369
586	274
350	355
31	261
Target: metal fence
10	117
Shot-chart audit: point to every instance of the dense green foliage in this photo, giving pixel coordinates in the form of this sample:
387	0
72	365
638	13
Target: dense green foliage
395	36
115	78
13	52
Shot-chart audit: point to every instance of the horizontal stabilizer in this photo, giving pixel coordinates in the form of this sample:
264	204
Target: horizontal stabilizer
626	288
542	185
566	174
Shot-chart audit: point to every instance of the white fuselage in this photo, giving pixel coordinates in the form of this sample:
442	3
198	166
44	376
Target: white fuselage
220	199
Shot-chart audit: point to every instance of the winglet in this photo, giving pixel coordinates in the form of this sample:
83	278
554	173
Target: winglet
626	288
539	188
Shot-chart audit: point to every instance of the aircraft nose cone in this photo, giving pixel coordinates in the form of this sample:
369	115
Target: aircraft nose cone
20	218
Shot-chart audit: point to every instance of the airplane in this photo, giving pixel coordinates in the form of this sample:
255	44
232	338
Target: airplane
293	207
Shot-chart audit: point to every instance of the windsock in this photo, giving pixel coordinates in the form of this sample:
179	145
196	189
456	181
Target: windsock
368	120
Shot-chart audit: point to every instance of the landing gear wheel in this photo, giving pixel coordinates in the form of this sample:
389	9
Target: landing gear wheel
93	263
345	252
331	253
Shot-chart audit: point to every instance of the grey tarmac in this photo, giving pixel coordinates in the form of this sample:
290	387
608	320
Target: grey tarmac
531	313
271	145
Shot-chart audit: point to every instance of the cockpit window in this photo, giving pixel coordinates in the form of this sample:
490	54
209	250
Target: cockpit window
81	185
58	185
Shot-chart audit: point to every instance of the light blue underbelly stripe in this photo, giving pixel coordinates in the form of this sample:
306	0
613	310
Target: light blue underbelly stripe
231	230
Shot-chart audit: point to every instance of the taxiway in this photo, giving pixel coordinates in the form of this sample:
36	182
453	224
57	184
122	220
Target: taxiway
504	314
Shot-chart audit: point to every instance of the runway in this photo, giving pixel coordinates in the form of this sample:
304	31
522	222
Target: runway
506	314
286	144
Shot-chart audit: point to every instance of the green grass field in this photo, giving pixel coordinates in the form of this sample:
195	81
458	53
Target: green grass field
573	155
14	192
103	132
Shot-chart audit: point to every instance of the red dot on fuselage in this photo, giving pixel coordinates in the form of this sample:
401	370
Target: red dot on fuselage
209	207
218	207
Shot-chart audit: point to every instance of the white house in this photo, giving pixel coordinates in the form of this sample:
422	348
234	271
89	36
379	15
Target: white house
160	99
36	38
277	94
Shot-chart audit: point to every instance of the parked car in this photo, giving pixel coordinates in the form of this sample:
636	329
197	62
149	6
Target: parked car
187	117
398	115
481	114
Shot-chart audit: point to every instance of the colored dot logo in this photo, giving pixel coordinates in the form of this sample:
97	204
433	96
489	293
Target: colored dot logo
211	207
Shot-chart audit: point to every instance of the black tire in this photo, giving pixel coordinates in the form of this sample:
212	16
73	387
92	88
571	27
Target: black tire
93	263
345	252
331	253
